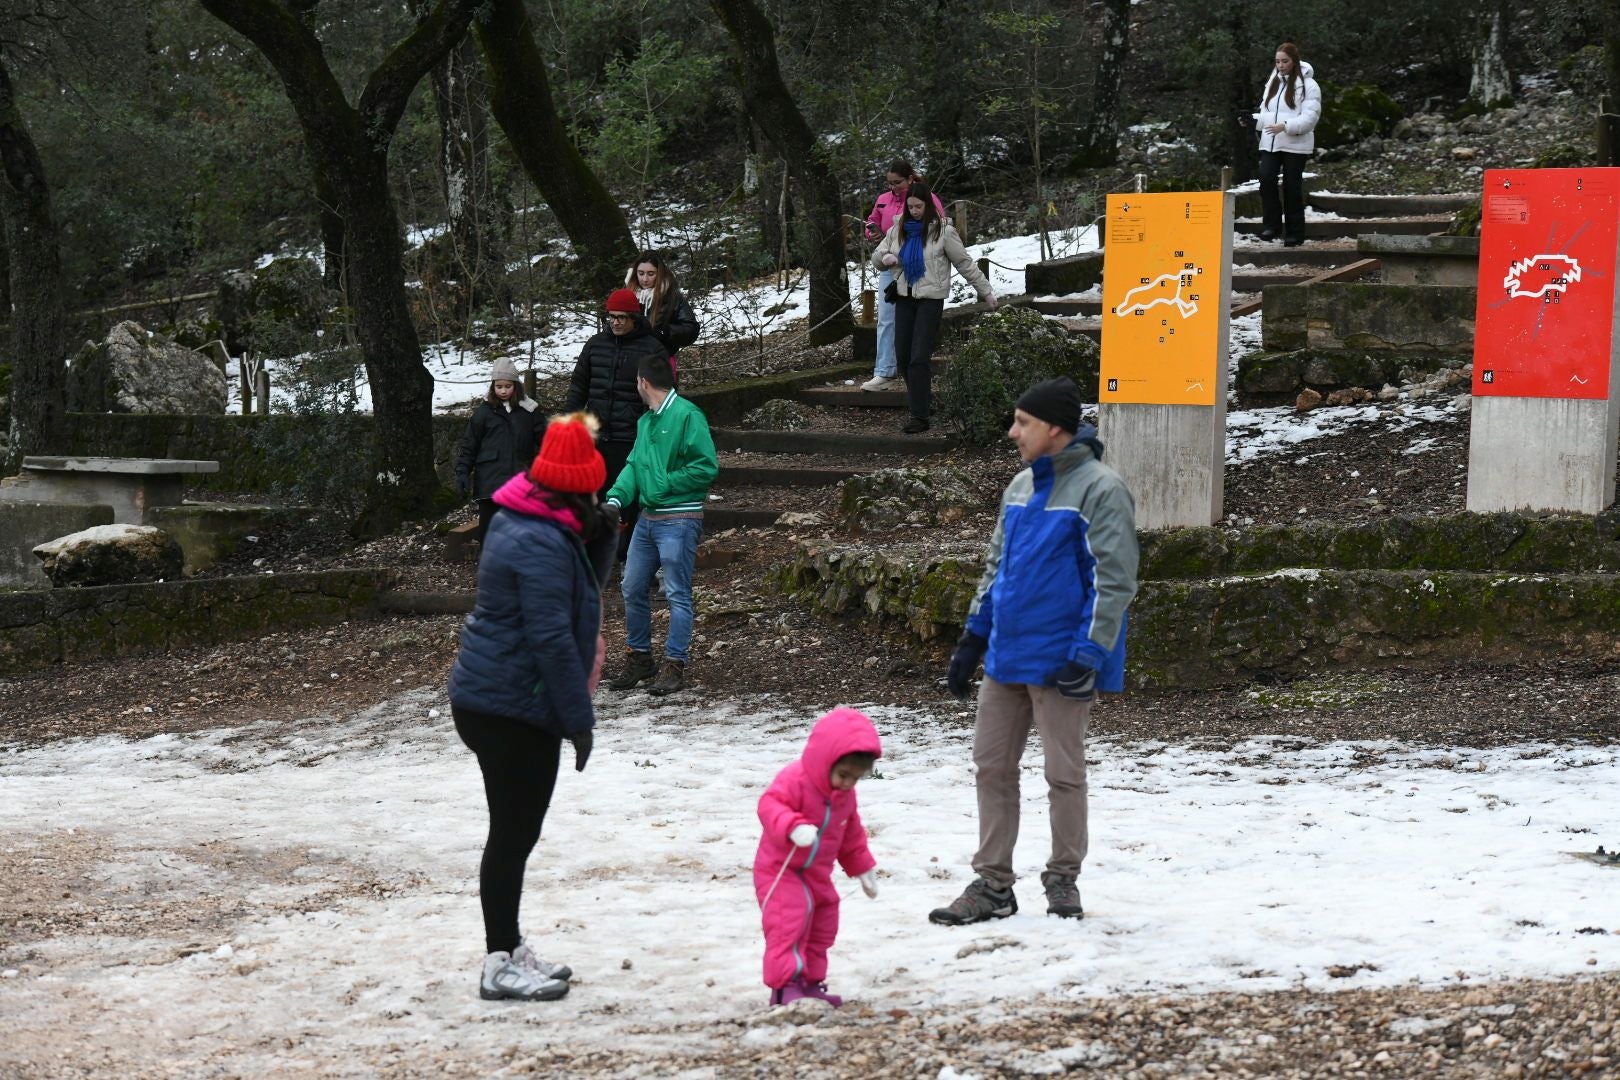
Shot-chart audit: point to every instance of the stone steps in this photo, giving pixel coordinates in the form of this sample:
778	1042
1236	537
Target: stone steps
782	476
1388	206
829	442
852	397
1319	229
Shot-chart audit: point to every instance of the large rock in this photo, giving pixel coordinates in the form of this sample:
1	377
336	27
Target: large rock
137	371
111	555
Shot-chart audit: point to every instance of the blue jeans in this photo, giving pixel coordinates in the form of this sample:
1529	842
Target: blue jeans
671	543
885	329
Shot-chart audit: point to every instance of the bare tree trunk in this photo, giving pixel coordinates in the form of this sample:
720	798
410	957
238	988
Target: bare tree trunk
520	95
1099	140
1241	96
348	150
459	97
771	104
38	312
1491	83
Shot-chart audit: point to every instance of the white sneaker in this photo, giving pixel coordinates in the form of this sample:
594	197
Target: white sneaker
505	978
883	382
525	957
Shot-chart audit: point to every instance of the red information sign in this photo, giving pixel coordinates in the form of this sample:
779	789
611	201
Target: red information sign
1546	282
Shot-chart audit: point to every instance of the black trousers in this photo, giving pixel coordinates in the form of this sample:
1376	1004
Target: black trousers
519	763
916	328
486	513
1285	217
614	455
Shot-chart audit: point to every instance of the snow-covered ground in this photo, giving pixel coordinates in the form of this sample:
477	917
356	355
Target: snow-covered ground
1264	866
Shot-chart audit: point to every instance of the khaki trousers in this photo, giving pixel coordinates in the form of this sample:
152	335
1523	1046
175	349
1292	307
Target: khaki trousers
1006	712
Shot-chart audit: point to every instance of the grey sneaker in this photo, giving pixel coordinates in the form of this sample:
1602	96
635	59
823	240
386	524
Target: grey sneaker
525	957
638	668
1062	896
979	902
504	978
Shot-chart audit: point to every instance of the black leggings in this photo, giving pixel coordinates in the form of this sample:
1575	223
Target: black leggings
519	763
916	328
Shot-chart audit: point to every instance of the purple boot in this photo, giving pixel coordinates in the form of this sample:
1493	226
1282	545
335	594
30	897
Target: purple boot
798	989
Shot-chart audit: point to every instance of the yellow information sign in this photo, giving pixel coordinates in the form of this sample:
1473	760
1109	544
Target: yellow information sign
1163	298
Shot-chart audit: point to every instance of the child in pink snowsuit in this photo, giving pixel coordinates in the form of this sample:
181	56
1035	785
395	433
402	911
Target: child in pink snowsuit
810	821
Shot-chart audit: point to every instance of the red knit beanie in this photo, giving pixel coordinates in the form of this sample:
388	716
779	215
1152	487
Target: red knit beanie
624	300
568	458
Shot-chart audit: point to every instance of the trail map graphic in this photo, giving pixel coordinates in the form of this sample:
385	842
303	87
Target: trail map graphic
1555	272
1143	298
1543	321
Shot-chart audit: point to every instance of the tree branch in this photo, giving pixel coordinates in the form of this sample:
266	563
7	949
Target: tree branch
388	90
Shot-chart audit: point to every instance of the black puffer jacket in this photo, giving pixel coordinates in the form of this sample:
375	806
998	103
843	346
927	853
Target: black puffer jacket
498	444
604	380
679	327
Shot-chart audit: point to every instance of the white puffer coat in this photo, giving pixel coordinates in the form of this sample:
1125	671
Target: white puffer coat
1299	121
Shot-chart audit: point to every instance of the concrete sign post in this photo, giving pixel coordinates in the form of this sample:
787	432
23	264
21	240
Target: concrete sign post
1167	280
1546	414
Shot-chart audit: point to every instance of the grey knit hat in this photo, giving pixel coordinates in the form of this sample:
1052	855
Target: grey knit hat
505	369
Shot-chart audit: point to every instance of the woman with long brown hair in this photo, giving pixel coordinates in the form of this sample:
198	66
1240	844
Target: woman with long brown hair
921	247
1289	110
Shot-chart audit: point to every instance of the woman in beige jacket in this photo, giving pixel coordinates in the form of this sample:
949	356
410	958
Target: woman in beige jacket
921	247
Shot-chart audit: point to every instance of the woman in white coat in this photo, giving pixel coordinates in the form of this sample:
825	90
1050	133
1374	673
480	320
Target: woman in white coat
921	247
1289	110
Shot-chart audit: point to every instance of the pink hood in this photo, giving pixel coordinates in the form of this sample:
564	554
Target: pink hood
521	494
840	732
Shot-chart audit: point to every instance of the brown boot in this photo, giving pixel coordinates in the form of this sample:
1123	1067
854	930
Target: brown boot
671	677
638	668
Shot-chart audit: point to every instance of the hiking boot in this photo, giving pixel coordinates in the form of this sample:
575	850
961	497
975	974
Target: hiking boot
671	677
525	957
505	978
915	426
1062	896
638	668
979	902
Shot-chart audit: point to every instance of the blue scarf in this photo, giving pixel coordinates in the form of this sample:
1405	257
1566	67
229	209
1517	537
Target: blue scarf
911	253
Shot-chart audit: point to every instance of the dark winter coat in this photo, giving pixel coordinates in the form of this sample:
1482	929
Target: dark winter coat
528	647
604	380
498	444
678	327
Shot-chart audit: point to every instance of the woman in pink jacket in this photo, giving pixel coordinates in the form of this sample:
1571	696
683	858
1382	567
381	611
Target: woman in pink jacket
810	821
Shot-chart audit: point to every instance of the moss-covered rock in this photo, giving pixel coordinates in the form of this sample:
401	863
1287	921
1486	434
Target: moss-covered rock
1355	113
778	414
889	498
1286	373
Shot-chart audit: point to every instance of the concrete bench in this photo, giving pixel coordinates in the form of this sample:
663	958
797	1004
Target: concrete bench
131	486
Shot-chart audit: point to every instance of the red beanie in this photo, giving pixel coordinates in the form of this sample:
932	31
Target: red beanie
568	458
624	300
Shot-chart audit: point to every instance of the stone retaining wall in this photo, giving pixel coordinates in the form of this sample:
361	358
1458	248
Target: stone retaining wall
42	628
1221	607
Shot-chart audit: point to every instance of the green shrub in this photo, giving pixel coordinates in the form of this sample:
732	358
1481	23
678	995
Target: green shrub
1465	222
1355	113
323	446
1008	351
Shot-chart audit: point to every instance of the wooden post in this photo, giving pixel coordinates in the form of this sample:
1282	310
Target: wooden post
1226	177
1605	134
960	216
261	380
247	385
1139	182
529	381
869	307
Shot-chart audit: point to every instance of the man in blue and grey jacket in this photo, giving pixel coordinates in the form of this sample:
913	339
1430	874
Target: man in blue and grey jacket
1048	621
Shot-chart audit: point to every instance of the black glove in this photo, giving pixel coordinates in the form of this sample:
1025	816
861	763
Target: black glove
461	487
582	749
1076	681
610	517
959	676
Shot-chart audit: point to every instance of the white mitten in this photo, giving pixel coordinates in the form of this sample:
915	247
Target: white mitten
993	302
868	882
803	835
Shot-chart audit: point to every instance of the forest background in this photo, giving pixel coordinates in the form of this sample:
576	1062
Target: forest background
460	167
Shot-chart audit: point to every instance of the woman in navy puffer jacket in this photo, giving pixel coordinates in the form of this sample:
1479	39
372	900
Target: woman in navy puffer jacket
530	656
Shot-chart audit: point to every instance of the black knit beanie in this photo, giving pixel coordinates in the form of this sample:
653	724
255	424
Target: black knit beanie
1056	401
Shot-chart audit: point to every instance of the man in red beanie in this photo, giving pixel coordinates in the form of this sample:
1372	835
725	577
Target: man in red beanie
604	383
